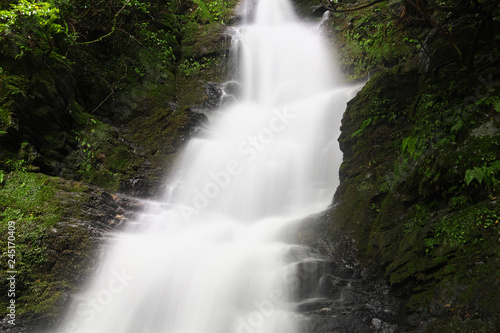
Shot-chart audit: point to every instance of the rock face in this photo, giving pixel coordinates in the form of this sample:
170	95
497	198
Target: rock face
57	248
418	195
336	292
406	198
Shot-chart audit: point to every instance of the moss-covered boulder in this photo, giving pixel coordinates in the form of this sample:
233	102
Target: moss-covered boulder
52	231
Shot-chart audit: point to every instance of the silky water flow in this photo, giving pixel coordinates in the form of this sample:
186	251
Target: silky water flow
211	258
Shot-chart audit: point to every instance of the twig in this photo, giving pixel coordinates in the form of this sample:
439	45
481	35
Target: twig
113	87
112	29
111	93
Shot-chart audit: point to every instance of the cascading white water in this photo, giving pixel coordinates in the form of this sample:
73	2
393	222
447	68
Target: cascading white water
210	259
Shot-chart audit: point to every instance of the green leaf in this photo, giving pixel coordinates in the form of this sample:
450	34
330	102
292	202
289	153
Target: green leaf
409	145
204	10
457	126
472	174
366	122
497	105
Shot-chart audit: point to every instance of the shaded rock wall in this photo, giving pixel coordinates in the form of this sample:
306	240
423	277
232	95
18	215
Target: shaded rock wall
419	180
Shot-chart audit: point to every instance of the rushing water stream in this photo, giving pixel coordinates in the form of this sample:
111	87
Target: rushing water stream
210	258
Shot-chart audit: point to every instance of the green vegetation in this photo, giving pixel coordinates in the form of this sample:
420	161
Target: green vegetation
28	195
213	10
28	214
91	93
32	26
92	66
421	175
101	93
372	39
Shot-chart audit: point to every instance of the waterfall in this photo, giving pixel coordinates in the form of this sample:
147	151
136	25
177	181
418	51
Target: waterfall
211	257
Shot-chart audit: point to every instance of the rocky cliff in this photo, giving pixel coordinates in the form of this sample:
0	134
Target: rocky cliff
419	181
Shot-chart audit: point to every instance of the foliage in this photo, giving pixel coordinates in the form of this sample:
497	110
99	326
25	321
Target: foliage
366	123
32	26
213	10
373	39
10	87
486	173
30	194
464	226
477	14
158	42
191	66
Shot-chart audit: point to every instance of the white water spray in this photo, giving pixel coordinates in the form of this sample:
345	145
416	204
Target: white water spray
211	259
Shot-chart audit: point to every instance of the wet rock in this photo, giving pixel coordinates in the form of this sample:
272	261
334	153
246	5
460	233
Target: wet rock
341	294
214	94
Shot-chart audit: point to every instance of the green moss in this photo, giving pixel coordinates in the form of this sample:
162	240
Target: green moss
32	193
409	143
371	40
44	298
52	255
119	159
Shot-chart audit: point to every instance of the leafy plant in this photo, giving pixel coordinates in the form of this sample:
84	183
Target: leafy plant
409	145
486	173
87	153
32	25
157	42
213	10
192	66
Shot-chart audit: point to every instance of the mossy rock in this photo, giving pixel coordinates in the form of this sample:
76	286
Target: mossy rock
58	229
410	207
